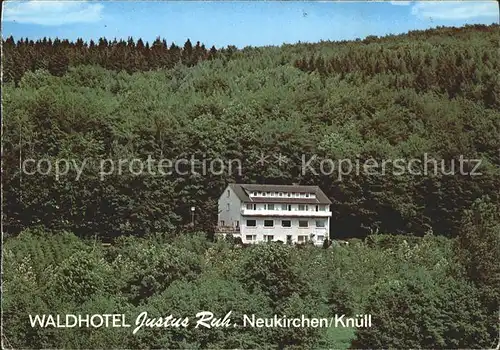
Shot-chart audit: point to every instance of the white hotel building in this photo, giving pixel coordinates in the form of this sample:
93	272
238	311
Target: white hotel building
286	213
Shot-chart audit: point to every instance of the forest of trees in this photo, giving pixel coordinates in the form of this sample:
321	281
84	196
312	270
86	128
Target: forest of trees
422	292
357	100
431	280
56	56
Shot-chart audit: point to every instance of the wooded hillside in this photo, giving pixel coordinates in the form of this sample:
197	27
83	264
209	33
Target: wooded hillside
429	277
433	92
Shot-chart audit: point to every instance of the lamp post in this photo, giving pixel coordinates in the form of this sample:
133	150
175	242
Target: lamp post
192	216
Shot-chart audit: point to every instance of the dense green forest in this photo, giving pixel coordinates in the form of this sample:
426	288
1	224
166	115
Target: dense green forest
434	92
423	292
431	280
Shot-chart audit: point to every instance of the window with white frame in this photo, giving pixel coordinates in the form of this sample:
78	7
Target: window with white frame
251	237
320	238
320	208
268	238
250	206
284	207
270	207
268	223
320	223
302	239
303	223
251	223
302	207
286	223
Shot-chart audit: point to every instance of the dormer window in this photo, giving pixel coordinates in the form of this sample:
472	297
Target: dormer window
307	195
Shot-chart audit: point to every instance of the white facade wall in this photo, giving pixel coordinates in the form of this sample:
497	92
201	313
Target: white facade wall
229	216
298	234
234	213
281	233
323	210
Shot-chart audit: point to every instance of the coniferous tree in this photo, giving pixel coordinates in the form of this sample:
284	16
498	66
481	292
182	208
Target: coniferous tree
187	53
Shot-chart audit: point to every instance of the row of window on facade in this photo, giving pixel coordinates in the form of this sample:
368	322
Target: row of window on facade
284	207
282	194
270	238
285	223
279	194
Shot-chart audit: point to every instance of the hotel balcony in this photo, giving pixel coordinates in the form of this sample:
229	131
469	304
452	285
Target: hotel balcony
228	230
286	213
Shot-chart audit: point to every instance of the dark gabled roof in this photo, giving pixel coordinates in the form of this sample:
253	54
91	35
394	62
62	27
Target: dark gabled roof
242	190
